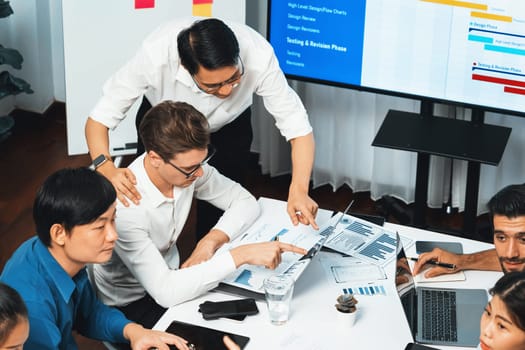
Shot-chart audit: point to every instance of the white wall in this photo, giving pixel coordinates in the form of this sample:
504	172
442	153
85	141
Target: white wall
93	52
35	29
57	50
31	35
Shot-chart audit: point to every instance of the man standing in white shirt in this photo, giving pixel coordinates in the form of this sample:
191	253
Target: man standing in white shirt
143	276
216	68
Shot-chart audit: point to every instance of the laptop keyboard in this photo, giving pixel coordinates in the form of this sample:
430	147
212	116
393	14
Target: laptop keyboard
439	310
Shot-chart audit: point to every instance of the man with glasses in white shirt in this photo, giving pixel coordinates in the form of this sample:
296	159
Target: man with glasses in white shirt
144	275
217	68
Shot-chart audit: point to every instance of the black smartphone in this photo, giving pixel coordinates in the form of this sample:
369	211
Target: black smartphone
427	246
413	346
230	308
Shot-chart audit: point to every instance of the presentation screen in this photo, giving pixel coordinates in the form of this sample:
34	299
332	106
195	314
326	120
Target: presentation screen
470	53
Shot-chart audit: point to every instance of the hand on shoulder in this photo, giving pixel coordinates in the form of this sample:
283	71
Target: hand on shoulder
124	182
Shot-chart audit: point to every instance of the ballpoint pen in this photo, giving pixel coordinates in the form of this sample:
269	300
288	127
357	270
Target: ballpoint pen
437	263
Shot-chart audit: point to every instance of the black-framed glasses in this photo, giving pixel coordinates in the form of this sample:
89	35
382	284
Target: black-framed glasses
213	88
189	174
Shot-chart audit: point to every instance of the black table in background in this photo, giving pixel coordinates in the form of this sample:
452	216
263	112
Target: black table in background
473	141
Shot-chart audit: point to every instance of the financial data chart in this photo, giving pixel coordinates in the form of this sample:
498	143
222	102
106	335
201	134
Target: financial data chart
274	224
370	290
363	240
251	276
469	52
380	248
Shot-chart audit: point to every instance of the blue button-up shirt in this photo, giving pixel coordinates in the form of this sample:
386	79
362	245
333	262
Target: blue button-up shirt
57	303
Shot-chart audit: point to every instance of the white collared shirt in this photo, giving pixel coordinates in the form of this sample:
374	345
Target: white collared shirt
155	72
146	257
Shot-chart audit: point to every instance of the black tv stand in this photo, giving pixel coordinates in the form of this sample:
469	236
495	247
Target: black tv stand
426	134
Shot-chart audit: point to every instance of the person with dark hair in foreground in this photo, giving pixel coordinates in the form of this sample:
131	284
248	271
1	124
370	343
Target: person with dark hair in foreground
14	324
503	322
74	213
216	67
145	274
507	213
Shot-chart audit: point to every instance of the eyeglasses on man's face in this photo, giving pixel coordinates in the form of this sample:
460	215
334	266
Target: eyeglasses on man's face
213	88
191	173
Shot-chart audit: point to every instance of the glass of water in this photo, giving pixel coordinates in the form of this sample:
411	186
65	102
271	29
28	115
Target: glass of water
278	290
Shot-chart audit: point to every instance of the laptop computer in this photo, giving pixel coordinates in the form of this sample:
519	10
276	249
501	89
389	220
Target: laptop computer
436	315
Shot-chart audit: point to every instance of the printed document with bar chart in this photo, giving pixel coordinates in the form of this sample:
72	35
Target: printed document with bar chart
274	222
363	240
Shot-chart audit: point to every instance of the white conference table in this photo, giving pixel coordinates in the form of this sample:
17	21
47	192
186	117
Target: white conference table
314	322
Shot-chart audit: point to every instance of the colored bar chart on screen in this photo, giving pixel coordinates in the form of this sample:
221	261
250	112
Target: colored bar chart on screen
465	4
511	86
488	37
370	290
491	16
505	49
513	90
496	80
482	12
481	39
502	43
509	72
486	31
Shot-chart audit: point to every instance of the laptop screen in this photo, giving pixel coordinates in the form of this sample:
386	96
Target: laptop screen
438	315
405	286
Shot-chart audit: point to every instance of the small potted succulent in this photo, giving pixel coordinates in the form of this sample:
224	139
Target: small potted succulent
346	307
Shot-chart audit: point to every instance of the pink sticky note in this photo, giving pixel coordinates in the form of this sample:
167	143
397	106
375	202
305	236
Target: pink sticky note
144	4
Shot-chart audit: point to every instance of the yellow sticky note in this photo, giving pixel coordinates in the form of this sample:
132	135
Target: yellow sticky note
202	10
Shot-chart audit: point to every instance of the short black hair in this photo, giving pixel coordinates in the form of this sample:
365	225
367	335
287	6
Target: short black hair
209	43
511	290
509	202
12	310
71	197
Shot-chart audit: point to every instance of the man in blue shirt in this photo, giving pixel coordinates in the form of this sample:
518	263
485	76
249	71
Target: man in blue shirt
74	213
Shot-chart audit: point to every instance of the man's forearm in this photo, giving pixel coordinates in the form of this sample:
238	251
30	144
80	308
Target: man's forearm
97	138
215	239
303	150
485	260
